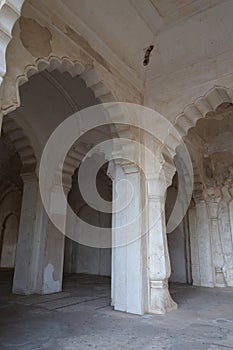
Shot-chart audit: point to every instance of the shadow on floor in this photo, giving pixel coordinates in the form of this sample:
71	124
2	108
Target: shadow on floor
80	317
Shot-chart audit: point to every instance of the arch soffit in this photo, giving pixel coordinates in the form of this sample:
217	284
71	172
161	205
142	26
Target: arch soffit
21	142
188	119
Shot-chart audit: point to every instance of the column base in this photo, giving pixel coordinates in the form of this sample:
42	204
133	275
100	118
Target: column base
21	291
160	298
50	285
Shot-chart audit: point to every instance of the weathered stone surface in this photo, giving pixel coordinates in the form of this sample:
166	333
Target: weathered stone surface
204	321
58	57
35	38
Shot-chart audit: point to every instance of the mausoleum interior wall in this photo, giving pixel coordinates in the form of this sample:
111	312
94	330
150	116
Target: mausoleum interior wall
210	229
39	24
46	101
177	73
180	71
85	259
214	191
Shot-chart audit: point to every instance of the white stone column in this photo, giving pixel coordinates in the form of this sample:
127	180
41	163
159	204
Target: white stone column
128	289
218	259
40	249
159	268
52	256
25	276
203	231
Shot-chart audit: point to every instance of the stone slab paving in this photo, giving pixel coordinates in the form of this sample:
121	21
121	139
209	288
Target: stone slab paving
204	321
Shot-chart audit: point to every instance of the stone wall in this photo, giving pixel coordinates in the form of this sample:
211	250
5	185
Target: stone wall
207	230
210	216
80	258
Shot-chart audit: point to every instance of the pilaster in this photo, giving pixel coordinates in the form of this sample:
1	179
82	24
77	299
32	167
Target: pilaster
159	268
127	252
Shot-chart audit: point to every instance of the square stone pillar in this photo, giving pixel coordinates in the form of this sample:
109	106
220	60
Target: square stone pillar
31	222
201	241
40	248
128	289
217	252
159	268
51	261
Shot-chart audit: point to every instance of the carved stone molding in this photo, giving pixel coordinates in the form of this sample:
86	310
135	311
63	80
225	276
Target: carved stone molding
21	143
10	11
63	64
203	105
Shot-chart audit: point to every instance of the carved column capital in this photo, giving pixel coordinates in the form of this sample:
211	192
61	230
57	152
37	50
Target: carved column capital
29	177
127	166
156	187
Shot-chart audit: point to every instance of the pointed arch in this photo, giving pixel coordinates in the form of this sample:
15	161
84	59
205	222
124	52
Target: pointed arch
63	64
21	143
210	102
75	68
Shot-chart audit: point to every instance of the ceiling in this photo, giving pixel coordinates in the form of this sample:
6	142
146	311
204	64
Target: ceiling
171	10
189	37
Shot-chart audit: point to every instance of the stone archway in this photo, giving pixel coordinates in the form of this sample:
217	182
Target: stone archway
43	276
209	216
205	104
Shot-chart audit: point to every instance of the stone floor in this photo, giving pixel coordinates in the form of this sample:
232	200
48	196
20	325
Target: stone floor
80	318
